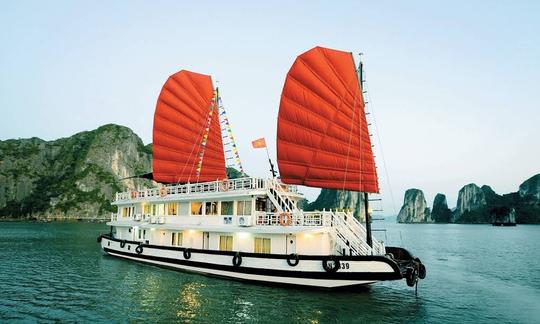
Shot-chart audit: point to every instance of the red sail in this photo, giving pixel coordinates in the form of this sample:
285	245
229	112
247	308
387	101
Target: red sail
180	122
322	137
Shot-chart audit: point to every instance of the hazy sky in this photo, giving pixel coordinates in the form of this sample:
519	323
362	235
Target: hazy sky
454	85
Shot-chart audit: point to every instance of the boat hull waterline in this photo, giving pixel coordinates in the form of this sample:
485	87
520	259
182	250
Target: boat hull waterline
288	270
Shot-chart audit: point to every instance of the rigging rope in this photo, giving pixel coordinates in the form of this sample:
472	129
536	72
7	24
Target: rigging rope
205	137
227	129
191	153
370	100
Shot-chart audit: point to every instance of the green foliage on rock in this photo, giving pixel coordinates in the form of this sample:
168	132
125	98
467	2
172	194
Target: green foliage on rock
72	177
232	173
338	200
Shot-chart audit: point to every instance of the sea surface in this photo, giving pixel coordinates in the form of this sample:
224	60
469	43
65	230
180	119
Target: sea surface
476	274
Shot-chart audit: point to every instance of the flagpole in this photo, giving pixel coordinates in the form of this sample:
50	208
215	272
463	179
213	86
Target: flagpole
270	161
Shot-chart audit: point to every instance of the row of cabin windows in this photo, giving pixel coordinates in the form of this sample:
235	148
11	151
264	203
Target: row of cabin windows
262	245
210	208
170	209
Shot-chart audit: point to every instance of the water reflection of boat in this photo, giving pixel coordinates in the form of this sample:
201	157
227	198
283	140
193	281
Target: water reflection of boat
251	228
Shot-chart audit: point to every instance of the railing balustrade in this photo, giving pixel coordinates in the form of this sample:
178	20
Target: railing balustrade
205	187
348	232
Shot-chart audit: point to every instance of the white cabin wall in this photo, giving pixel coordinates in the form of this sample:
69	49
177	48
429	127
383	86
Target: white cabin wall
243	242
312	243
183	209
278	243
213	242
160	237
192	239
122	233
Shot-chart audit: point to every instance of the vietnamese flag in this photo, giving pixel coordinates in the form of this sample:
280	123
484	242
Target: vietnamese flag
259	143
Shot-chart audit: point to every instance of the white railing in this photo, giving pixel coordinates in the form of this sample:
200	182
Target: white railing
293	219
348	233
204	187
359	234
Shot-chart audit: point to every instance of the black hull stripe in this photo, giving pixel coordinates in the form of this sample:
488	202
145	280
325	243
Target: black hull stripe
267	272
380	258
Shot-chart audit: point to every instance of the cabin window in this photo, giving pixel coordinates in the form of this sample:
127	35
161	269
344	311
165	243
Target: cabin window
177	239
227	208
147	209
154	210
243	207
225	243
260	204
196	208
172	209
124	212
211	208
262	245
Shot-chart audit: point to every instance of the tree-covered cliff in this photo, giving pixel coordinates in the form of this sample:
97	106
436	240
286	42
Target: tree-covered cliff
338	199
74	177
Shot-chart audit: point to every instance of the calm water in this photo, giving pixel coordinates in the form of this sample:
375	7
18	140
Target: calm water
476	273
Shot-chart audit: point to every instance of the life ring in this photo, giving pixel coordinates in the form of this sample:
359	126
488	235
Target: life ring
285	219
411	277
162	191
327	266
122	244
99	239
225	185
292	259
139	249
187	254
134	194
237	260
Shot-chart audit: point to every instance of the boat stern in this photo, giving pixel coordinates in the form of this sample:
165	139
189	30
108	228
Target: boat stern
411	268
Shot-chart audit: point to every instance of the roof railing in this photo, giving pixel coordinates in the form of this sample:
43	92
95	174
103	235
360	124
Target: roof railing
239	184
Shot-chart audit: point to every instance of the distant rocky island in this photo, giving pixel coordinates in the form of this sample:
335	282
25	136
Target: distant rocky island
476	205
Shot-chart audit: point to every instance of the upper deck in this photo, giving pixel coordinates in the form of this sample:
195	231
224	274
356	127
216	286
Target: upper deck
203	190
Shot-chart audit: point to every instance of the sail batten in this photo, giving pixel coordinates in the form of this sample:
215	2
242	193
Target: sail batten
187	135
323	139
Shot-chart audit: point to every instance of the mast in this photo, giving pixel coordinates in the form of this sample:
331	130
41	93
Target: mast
366	198
272	170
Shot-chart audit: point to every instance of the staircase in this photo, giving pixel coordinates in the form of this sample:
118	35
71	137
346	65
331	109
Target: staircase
348	233
278	195
350	236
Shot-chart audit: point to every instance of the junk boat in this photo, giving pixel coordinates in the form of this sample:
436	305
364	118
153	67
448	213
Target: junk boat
249	228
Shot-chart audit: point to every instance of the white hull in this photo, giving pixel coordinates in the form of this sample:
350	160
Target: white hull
269	269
